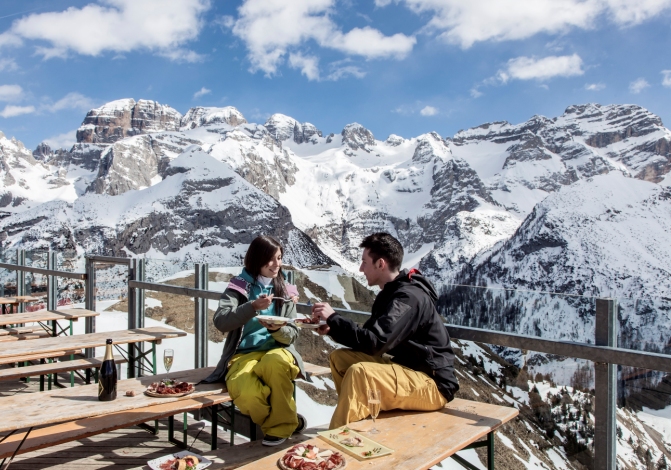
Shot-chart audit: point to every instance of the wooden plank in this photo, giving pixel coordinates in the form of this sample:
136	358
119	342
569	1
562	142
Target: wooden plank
54	368
460	423
68	404
24	336
37	357
46	315
316	370
19	330
27	298
8	301
66	432
91	340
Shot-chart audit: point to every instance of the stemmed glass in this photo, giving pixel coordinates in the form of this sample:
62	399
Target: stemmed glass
373	406
168	356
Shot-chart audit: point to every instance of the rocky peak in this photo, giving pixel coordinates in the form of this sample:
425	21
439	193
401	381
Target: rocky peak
394	140
355	136
203	116
429	147
43	152
118	119
283	127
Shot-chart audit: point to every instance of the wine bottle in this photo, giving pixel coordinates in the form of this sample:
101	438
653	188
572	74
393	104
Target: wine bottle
107	379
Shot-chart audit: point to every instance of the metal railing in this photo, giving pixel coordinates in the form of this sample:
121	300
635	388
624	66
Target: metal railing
603	352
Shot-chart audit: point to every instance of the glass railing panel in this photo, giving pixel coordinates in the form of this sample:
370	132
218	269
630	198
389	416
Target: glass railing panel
162	270
70	260
643	418
644	323
335	286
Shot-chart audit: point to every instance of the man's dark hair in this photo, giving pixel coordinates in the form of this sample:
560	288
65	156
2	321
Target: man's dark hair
382	245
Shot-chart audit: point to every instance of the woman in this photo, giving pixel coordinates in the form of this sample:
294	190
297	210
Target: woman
259	362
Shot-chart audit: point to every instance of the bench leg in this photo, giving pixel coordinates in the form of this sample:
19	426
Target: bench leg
171	432
214	413
489	443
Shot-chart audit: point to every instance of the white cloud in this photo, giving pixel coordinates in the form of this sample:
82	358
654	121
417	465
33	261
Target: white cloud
8	65
10	92
271	29
476	93
11	110
341	72
466	22
309	65
62	141
72	100
666	79
113	25
529	68
594	86
182	55
428	111
202	92
638	85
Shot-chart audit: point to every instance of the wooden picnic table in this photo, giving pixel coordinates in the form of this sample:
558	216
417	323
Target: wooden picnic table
419	439
69	414
70	314
16	300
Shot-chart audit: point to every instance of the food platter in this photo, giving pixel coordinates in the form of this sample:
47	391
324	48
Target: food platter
308	323
307	456
355	444
168	388
274	320
164	463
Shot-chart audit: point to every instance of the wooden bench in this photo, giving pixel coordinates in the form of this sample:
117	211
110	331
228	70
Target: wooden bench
420	440
55	367
24	335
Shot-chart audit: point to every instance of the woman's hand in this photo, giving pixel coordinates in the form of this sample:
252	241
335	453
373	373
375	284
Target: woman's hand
263	302
294	299
270	326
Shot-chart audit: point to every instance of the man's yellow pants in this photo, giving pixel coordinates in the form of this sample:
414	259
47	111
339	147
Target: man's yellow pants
354	373
260	384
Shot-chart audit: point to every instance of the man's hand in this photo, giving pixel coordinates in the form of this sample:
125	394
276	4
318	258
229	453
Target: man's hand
323	330
263	302
322	311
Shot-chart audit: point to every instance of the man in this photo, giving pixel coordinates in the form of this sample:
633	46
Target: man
405	325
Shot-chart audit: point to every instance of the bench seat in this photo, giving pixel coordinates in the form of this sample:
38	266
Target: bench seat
25	336
54	368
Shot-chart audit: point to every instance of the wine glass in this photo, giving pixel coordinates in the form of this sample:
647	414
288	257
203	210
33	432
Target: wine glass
373	406
168	356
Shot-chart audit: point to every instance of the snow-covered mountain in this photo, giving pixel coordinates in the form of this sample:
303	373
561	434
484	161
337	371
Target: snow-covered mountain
520	206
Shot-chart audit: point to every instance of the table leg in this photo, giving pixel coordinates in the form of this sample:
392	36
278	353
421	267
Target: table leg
153	356
214	412
490	451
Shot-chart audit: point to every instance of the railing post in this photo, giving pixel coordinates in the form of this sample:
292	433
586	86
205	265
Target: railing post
200	315
291	277
133	367
605	425
90	301
20	278
52	282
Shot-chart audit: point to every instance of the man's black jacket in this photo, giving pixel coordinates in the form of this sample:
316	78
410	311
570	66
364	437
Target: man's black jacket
404	324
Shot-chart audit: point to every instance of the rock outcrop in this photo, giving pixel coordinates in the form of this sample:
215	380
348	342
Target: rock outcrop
203	116
356	137
283	127
125	118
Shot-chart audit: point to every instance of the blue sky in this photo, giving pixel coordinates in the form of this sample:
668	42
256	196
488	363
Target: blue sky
396	66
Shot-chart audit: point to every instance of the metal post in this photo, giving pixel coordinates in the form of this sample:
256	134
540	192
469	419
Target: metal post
90	301
133	366
605	388
291	277
201	282
52	283
20	278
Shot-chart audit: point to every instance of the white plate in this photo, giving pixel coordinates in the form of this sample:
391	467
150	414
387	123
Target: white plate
311	326
273	319
156	463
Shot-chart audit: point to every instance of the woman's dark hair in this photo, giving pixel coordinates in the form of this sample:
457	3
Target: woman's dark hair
260	252
383	245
